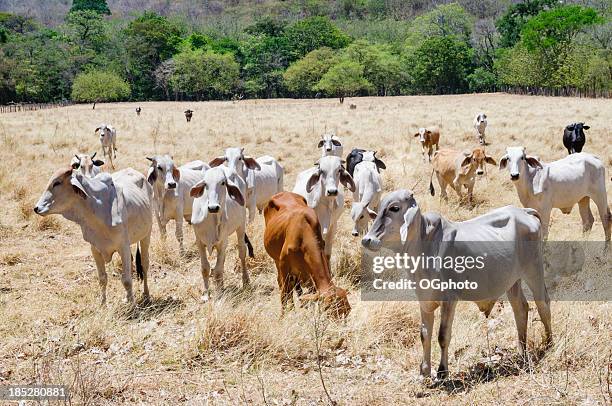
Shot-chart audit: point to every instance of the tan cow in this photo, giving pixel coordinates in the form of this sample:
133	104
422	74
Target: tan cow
458	169
428	137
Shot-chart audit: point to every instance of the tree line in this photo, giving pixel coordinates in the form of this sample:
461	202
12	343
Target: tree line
93	56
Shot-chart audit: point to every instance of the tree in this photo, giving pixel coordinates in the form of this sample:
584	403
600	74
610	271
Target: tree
481	80
99	86
303	75
515	18
444	20
97	6
344	79
311	33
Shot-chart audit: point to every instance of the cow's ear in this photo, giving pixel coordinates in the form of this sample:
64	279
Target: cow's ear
98	162
503	162
176	174
152	175
78	188
251	163
570	127
417	134
466	161
198	189
490	160
96	130
347	180
372	213
217	161
313	180
234	193
321	143
380	164
586	127
533	162
75	165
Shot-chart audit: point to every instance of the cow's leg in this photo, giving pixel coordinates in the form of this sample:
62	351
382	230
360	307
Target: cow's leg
443	186
178	223
585	214
601	201
219	265
444	336
102	277
284	284
470	189
205	269
430	152
242	252
542	300
520	308
144	258
126	276
423	152
427	321
545	220
329	240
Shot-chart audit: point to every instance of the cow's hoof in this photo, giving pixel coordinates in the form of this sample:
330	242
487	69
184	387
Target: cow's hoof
205	298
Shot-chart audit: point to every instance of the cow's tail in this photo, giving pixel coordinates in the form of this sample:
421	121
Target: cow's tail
139	268
249	246
432	191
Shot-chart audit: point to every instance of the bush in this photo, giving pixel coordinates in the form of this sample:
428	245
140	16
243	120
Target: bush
99	86
481	80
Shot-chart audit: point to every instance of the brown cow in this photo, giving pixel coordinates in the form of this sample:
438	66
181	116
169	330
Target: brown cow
428	137
458	169
293	239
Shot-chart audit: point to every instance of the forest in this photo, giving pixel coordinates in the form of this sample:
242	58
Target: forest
96	51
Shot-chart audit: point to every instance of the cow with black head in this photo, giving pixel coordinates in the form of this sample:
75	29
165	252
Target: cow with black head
356	156
574	138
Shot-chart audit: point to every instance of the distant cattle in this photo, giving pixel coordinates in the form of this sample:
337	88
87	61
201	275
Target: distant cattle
480	125
574	138
561	184
138	110
87	165
428	137
188	115
293	239
353	106
356	156
112	211
330	144
515	257
108	140
368	189
458	169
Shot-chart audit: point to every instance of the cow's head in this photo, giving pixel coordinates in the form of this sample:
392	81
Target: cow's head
577	130
217	187
481	118
396	220
329	143
330	173
102	130
477	160
87	165
236	161
334	301
361	215
164	172
518	161
423	134
61	193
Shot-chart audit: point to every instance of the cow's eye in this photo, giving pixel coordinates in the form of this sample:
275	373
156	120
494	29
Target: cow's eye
159	167
56	183
361	217
394	209
523	158
222	183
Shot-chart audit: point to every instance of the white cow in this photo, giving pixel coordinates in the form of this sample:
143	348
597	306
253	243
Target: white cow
218	212
87	165
320	188
263	177
171	191
561	184
480	125
368	190
112	211
330	144
108	139
512	236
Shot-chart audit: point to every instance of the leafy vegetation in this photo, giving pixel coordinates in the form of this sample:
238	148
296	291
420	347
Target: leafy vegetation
301	48
99	86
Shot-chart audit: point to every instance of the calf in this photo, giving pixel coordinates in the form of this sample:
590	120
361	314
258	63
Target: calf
561	184
293	239
108	140
428	137
188	115
320	187
514	257
330	144
171	191
574	138
368	189
356	156
218	212
87	165
112	211
458	169
480	125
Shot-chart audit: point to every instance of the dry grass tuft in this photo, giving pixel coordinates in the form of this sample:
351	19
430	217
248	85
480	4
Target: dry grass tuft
47	224
11	259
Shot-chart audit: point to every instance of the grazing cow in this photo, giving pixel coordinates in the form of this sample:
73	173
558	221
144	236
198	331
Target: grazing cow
353	106
188	115
112	211
293	239
320	187
86	164
356	156
480	125
218	212
428	137
138	110
330	144
368	189
458	169
171	191
561	184
515	233
263	176
108	139
574	138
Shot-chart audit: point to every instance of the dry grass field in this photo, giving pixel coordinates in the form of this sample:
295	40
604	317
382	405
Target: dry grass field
236	349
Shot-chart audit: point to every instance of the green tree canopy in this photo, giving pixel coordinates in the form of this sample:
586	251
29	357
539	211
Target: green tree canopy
99	86
311	33
98	6
344	79
381	67
516	16
303	75
444	20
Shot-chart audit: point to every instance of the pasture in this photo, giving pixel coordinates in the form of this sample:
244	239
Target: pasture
236	349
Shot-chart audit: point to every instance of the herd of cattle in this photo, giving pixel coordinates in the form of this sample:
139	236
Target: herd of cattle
116	210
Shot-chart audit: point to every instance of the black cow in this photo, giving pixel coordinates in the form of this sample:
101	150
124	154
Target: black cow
138	110
573	137
188	115
356	156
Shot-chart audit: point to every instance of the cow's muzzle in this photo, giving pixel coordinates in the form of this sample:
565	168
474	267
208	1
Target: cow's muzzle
480	172
171	185
213	208
371	243
514	176
332	192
